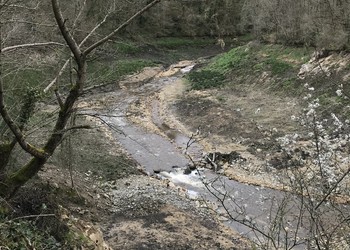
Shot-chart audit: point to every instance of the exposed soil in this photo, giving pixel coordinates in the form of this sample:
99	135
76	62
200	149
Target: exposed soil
115	206
246	121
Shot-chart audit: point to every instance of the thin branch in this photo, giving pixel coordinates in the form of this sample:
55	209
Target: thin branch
54	81
12	125
65	33
59	99
94	29
21	46
74	128
78	16
4	4
33	216
126	23
23	7
332	189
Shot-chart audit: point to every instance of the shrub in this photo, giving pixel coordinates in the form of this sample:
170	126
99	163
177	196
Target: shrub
205	79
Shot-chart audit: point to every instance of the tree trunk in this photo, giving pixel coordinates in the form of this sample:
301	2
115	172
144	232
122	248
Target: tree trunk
9	186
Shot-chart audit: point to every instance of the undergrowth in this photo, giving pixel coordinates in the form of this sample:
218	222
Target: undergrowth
249	60
102	72
23	234
205	79
129	48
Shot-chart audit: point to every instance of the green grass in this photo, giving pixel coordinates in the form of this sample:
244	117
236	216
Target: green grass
236	58
251	60
274	58
205	79
127	48
104	72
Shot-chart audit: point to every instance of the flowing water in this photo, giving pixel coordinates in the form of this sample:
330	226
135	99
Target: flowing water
254	205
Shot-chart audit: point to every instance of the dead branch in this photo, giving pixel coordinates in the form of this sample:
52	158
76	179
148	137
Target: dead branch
330	191
29	45
74	128
54	81
65	33
33	216
12	125
78	16
126	23
22	6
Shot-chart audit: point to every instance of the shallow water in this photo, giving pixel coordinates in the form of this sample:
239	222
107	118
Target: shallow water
167	157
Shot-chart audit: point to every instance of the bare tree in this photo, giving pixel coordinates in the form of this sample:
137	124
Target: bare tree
10	183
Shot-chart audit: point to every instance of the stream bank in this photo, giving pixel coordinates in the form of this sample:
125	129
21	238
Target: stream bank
152	136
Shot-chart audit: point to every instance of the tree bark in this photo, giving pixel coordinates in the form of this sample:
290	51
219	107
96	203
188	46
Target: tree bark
11	183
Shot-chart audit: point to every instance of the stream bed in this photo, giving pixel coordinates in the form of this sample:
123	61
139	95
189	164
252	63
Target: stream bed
254	206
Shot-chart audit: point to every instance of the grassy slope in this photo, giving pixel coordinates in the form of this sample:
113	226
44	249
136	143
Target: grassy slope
245	65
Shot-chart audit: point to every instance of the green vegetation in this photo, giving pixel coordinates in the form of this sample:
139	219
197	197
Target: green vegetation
205	79
102	72
250	60
236	58
23	234
274	58
127	48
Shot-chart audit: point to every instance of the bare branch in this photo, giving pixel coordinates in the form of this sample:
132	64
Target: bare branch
59	99
74	128
20	6
54	81
13	126
4	4
78	16
28	45
94	29
126	23
332	189
65	33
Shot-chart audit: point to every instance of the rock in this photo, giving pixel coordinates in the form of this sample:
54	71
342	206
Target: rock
187	171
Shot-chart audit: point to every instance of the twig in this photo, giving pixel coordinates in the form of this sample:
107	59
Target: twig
332	189
29	45
32	216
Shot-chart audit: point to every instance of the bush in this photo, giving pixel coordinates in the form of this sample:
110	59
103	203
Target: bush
25	235
205	79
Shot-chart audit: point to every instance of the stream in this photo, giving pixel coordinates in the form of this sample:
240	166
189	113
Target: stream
254	205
